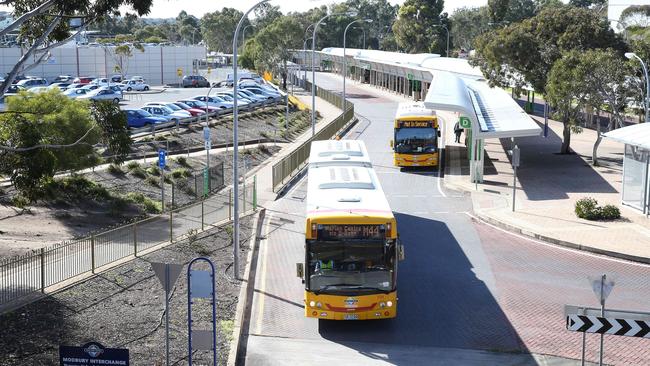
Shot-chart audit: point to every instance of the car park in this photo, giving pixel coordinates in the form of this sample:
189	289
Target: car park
103	93
195	81
164	112
193	111
262	92
241	102
173	107
141	118
137	85
32	83
214	100
61	86
199	105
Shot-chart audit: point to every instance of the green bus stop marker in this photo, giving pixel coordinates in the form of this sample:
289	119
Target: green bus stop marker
465	122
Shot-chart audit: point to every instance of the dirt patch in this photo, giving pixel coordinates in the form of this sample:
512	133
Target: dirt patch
124	308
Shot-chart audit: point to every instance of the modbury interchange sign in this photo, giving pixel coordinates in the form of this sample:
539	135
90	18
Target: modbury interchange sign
93	353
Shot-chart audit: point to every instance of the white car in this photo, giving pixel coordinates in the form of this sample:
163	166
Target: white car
214	101
164	112
138	85
103	93
75	92
171	106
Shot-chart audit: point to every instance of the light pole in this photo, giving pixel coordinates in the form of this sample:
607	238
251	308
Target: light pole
313	70
243	35
447	30
345	60
235	150
631	55
304	47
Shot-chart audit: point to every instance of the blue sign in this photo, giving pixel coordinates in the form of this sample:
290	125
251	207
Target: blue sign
162	154
92	353
206	133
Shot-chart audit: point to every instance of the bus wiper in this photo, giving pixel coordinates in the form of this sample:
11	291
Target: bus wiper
325	287
371	288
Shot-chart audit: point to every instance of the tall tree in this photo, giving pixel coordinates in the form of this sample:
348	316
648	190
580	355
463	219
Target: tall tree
43	26
467	24
524	53
218	28
511	11
418	27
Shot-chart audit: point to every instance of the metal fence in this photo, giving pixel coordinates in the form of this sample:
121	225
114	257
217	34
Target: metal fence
296	160
24	276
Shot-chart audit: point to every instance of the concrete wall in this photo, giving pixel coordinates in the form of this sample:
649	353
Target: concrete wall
158	65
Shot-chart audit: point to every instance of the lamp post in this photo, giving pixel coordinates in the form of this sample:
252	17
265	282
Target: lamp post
631	55
345	61
447	30
313	70
243	35
304	47
235	152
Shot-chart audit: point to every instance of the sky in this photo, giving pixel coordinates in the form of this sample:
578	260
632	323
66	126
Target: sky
171	8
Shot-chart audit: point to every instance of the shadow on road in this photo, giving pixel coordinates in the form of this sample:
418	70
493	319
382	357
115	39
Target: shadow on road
443	301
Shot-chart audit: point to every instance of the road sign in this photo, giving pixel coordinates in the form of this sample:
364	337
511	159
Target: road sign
92	353
601	282
206	133
167	273
516	153
162	154
601	325
179	72
465	122
201	284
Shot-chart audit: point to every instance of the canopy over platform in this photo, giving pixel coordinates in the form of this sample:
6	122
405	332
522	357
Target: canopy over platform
636	135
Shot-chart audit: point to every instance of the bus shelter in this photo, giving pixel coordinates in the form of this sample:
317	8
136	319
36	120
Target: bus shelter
636	164
484	112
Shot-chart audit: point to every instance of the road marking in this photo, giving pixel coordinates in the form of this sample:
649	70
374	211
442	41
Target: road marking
576	251
262	288
440	187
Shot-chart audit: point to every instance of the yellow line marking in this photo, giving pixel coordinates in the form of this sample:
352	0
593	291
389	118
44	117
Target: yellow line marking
262	284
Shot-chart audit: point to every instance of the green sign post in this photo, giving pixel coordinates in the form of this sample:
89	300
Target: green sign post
206	181
409	76
465	123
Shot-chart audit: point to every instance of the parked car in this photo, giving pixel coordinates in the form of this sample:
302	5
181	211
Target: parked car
116	79
140	78
141	118
266	87
173	107
75	86
32	83
60	86
199	105
195	81
100	82
39	89
214	100
14	89
262	92
91	87
83	80
193	111
138	85
164	112
253	96
241	102
103	93
63	79
76	92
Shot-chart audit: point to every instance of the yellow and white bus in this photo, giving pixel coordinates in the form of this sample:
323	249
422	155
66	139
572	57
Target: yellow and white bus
351	242
415	139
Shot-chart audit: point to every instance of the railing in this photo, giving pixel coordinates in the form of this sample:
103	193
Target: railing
291	164
23	277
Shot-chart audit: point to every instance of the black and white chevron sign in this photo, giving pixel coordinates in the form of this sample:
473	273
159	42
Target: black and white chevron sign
596	324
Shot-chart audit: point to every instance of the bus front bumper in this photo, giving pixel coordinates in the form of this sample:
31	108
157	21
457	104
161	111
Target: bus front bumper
415	160
341	307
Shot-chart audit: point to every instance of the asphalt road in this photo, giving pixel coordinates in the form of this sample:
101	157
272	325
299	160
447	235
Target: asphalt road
465	288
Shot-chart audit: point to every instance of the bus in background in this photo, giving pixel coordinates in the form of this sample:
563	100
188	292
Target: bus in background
415	140
351	242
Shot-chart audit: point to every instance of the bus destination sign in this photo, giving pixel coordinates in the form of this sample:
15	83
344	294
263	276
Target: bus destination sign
414	124
339	232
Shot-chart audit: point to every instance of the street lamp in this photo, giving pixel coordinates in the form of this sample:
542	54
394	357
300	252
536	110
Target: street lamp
631	55
447	30
235	143
345	61
313	70
304	47
243	35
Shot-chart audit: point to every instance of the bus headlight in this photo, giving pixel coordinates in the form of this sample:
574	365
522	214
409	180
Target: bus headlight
382	304
389	304
319	305
312	304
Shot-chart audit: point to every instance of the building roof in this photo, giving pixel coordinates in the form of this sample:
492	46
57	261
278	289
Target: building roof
636	135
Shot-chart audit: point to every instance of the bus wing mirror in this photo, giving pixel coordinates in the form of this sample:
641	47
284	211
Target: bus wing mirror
391	143
300	270
439	134
400	252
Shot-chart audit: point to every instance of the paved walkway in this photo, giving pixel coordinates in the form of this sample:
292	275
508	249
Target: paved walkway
548	186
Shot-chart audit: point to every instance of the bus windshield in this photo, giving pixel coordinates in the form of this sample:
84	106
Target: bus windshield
415	140
351	266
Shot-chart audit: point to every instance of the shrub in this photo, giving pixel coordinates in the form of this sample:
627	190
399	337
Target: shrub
587	208
154	170
117	206
160	138
150	206
132	165
154	181
181	173
115	169
138	172
182	161
20	201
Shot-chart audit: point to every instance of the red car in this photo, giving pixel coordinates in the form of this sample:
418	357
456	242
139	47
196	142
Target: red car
193	111
83	80
197	104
